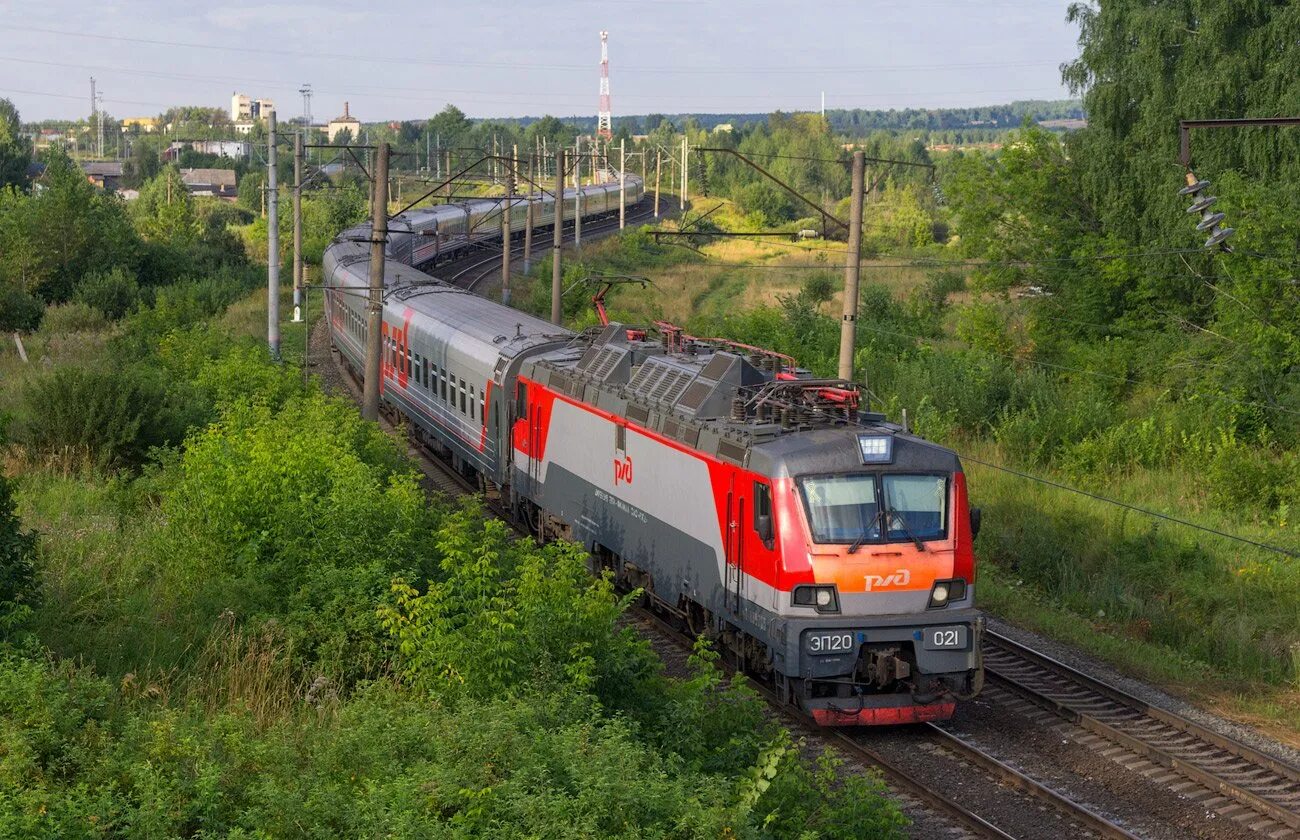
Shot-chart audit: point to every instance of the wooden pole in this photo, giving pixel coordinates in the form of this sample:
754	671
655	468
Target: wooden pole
852	271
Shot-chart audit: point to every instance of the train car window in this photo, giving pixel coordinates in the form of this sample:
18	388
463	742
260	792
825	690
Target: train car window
442	376
482	415
471	402
620	437
462	396
425	371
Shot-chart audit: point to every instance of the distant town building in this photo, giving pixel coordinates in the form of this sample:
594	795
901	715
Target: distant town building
1066	124
244	127
246	109
145	125
347	122
723	127
234	149
219	183
105	174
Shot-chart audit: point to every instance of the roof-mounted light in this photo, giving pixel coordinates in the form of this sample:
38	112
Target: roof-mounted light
876	449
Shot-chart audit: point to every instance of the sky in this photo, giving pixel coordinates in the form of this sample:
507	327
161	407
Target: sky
404	60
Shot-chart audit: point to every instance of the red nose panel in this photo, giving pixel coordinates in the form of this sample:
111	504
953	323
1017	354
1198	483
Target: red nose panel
885	716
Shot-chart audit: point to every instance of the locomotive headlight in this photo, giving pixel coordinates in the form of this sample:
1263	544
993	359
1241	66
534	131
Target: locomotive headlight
945	591
823	598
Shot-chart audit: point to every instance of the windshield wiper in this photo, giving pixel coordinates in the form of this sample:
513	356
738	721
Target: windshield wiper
902	520
866	534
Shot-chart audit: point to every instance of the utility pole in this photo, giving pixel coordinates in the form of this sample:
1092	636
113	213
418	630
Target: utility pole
622	184
375	311
272	244
558	247
658	170
686	151
852	270
297	227
94	110
505	235
528	216
577	195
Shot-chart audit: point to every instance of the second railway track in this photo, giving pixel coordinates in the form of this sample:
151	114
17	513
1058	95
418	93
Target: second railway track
1223	774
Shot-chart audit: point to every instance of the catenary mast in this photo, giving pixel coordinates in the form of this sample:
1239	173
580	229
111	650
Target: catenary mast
604	127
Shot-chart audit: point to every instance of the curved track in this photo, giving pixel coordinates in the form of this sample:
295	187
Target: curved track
469	272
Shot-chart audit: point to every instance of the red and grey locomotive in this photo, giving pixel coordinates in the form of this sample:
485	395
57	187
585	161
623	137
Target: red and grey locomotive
828	549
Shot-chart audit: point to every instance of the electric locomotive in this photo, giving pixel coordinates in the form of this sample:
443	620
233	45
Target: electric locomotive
827	549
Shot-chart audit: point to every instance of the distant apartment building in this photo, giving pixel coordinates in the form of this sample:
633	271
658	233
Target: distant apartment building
346	122
244	108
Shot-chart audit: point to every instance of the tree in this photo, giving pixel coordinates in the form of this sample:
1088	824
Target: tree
15	149
450	126
164	212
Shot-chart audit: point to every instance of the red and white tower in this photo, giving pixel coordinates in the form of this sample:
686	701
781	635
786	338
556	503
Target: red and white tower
604	128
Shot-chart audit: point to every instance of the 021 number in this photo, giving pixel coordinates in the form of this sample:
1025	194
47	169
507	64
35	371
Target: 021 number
947	638
830	642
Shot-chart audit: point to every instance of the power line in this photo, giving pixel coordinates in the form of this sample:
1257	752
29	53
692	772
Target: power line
1135	508
408	60
1083	371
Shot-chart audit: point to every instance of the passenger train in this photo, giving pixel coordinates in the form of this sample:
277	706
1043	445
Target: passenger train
826	549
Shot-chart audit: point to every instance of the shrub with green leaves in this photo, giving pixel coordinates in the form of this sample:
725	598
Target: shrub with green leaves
113	415
114	293
18	584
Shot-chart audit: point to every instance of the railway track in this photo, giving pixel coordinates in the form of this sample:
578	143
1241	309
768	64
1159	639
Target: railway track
469	272
1220	773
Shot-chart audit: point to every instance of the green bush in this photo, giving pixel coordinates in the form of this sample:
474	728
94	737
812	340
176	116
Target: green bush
114	416
75	317
502	616
300	514
19	311
114	293
18	585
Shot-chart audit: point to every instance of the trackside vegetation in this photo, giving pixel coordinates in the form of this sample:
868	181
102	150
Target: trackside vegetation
228	608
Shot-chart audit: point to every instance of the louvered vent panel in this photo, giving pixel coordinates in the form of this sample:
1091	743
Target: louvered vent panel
697	394
587	358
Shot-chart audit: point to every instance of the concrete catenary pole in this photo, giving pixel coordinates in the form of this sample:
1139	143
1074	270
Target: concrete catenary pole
852	271
577	195
686	169
658	171
558	247
505	235
622	183
272	243
297	227
528	216
375	310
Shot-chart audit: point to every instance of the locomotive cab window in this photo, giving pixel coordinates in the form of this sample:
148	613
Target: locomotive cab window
842	508
763	513
917	506
867	507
